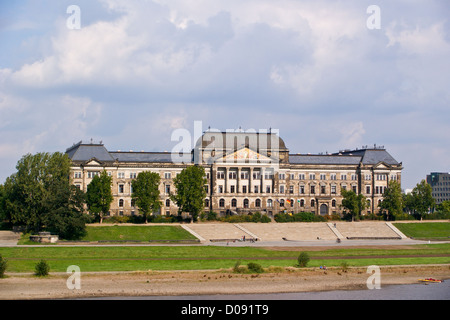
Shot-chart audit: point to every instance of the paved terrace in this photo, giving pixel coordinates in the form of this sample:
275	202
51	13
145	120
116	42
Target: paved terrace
295	231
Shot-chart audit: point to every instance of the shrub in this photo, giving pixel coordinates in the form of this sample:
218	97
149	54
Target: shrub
42	268
303	259
254	267
3	263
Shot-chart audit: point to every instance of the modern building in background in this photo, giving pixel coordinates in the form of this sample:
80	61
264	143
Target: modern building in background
440	183
246	173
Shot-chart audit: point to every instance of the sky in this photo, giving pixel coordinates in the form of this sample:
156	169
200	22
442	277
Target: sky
328	75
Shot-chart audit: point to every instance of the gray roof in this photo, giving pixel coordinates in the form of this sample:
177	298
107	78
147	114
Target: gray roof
373	156
324	159
85	152
164	157
237	139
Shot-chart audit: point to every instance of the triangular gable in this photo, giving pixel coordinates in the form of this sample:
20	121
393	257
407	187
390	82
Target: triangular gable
244	155
382	165
93	162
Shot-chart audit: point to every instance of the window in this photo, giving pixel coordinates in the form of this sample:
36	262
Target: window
313	189
343	177
167	202
292	176
333	176
367	189
133	175
222	203
121	188
121	203
270	203
167	188
258	203
206	202
354	177
267	189
133	203
313	202
244	175
302	203
323	176
291	202
234	203
121	175
281	176
354	188
268	175
301	189
245	203
281	189
291	189
281	203
220	175
322	189
244	189
92	174
256	175
220	189
256	189
333	189
312	176
232	175
301	176
167	175
333	203
77	175
367	177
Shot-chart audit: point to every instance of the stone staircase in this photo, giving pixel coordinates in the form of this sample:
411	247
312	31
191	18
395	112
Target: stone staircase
295	231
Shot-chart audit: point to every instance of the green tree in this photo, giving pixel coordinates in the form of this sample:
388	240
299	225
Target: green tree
99	195
444	207
422	200
146	193
190	190
29	192
352	203
66	214
392	202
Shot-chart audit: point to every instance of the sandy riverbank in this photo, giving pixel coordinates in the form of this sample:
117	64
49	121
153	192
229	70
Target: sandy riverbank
209	282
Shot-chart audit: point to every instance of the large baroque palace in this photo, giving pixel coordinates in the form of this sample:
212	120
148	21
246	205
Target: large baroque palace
246	172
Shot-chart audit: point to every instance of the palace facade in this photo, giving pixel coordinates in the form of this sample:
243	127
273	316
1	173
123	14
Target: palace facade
246	172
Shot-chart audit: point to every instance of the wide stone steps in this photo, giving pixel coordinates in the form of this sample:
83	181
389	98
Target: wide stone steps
294	231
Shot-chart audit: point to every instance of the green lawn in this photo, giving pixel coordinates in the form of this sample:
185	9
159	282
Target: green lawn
426	230
124	258
137	233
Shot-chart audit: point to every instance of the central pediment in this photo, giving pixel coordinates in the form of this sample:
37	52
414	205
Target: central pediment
245	155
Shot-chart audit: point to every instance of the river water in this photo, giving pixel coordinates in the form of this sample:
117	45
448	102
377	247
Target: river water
422	291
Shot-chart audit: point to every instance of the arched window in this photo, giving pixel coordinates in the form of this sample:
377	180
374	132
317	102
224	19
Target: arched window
121	203
282	203
313	202
245	203
206	202
258	203
168	203
234	203
292	202
270	203
333	203
302	203
222	203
